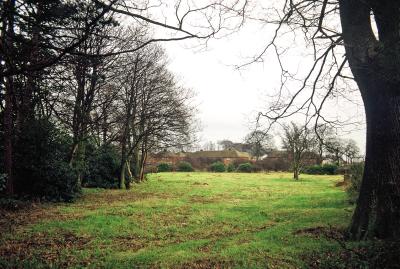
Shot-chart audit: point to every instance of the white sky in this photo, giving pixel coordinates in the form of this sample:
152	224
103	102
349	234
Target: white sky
228	99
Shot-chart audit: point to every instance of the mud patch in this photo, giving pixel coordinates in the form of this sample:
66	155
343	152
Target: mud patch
321	231
132	243
203	199
200	183
45	247
207	263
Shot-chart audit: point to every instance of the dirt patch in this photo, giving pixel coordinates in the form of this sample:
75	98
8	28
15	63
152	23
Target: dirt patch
374	254
321	231
132	243
215	233
316	231
200	183
44	247
203	199
115	197
207	263
12	220
342	184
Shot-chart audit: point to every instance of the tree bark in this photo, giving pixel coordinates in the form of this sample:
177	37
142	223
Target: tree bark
7	39
122	176
375	65
378	206
295	174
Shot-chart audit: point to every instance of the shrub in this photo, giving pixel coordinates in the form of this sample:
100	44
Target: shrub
217	167
164	167
325	169
3	181
41	163
329	169
184	167
256	168
356	174
274	164
230	167
102	167
245	168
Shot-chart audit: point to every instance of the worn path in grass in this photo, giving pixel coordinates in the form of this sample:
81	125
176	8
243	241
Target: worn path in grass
181	220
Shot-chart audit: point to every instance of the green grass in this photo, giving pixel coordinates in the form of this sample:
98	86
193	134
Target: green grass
182	220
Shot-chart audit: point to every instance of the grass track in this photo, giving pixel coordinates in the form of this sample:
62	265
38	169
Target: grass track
181	220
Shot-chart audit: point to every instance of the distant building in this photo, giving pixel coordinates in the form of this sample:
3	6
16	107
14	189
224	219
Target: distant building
226	156
199	159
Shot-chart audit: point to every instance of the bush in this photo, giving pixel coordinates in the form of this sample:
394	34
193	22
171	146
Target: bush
325	169
102	167
256	168
274	164
184	167
3	181
164	167
217	167
230	167
41	163
356	173
245	168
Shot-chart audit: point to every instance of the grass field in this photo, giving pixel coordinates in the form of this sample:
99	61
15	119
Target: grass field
181	220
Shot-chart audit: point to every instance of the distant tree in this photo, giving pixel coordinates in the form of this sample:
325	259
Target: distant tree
297	140
260	143
335	148
210	146
226	144
351	150
324	133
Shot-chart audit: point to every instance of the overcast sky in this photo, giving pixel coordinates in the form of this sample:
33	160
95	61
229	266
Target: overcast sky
228	100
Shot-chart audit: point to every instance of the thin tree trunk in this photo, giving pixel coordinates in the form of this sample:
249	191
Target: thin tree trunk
296	173
143	165
8	126
130	177
122	176
7	38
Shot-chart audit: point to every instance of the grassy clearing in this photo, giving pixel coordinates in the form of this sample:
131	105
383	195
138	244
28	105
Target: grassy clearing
181	220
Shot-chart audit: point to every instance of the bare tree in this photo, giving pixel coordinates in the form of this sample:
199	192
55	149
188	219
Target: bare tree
153	110
335	148
226	144
210	146
374	63
351	150
260	143
36	36
297	140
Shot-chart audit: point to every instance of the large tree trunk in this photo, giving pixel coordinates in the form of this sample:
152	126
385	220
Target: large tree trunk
378	206
376	68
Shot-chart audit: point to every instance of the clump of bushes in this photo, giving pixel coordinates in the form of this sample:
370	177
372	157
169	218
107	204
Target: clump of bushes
356	173
164	167
3	179
245	168
41	163
184	167
102	168
325	169
217	167
230	168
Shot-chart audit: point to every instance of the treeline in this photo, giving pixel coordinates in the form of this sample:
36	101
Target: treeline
77	109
